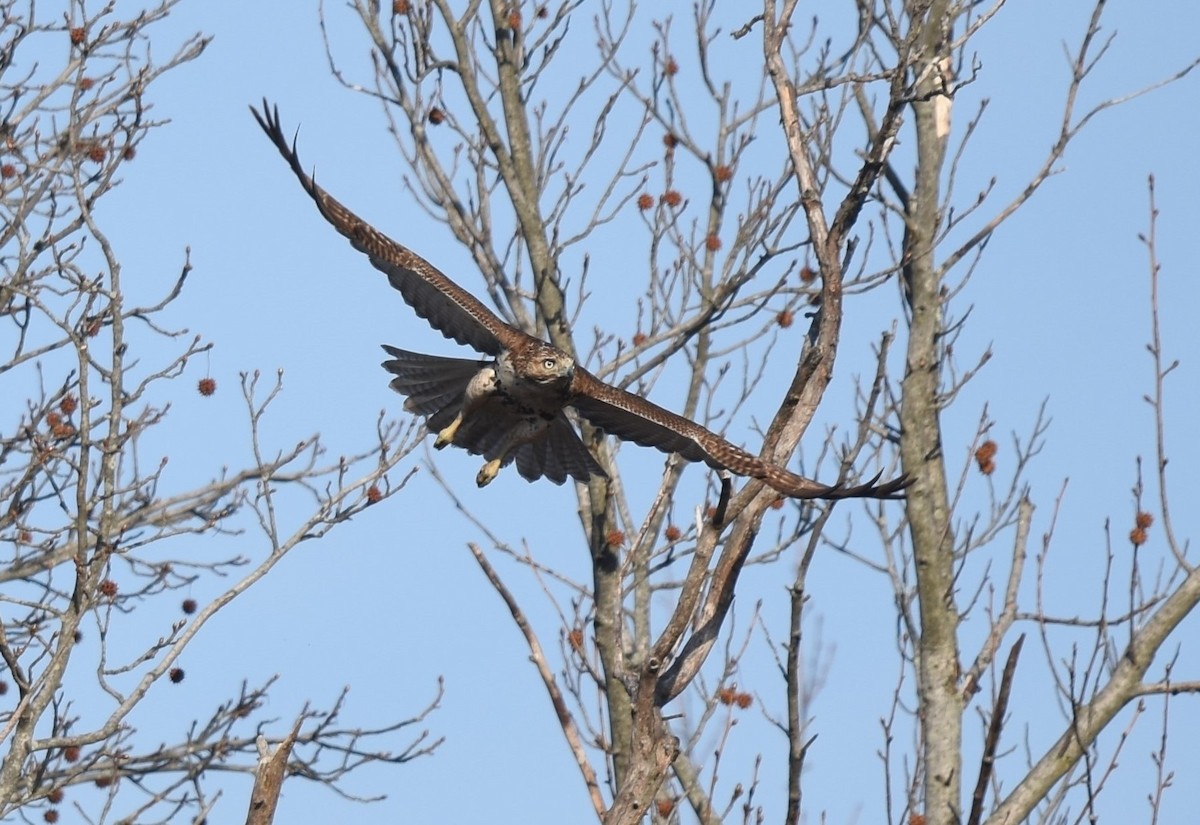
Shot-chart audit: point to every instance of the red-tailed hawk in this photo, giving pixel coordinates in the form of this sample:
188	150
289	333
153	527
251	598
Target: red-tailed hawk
510	406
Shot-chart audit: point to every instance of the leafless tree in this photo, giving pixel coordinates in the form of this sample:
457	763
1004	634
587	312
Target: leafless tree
764	199
96	525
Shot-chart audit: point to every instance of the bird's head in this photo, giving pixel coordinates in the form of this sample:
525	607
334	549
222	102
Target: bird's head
546	364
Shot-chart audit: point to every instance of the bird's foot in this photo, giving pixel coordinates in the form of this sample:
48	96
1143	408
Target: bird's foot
488	472
446	436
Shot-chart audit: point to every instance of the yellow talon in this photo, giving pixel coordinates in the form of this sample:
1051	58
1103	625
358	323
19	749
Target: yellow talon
446	436
488	472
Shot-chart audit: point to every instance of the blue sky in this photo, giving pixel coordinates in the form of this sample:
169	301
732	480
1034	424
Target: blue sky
393	601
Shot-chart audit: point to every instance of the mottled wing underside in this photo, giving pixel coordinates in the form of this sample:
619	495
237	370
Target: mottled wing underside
447	307
633	418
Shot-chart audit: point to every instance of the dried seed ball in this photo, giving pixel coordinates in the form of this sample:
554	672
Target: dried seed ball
984	456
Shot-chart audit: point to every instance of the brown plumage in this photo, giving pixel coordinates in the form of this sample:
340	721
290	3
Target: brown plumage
511	407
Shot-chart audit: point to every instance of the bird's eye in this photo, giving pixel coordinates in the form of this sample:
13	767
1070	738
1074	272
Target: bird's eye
548	363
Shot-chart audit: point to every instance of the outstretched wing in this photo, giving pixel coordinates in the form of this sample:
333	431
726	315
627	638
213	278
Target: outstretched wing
633	418
447	307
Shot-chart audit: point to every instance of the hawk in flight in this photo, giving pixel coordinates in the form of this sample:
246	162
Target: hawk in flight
510	406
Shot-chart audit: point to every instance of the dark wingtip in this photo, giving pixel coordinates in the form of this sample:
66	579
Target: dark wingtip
891	490
270	122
